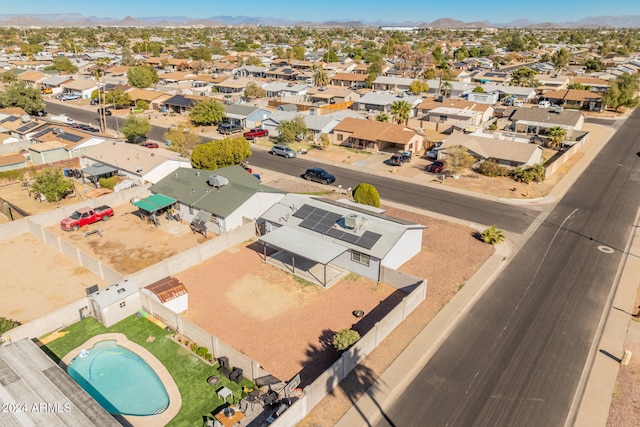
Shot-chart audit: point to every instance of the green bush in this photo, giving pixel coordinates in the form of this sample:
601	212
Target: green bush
493	169
493	235
108	182
7	324
208	357
202	351
345	338
193	347
366	194
187	343
142	104
533	173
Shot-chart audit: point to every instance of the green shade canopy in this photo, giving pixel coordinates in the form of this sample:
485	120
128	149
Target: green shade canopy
154	202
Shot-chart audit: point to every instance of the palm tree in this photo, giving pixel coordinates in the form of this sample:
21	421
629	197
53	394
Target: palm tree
447	87
400	111
556	135
320	78
493	235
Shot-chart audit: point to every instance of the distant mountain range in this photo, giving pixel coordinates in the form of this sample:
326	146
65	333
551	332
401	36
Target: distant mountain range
79	20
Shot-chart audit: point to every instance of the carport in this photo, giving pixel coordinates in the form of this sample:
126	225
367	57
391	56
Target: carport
152	205
301	253
97	171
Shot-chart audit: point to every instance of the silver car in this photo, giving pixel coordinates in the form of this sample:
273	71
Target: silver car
283	150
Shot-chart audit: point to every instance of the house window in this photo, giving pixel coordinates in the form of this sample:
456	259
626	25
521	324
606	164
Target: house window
443	119
340	137
360	258
122	304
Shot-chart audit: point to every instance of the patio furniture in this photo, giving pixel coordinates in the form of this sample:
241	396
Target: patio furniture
224	392
269	397
213	380
236	375
224	368
229	416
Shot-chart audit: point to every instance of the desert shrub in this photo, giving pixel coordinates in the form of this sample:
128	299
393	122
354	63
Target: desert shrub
202	351
366	194
493	235
108	182
493	169
533	173
193	347
345	338
208	357
7	324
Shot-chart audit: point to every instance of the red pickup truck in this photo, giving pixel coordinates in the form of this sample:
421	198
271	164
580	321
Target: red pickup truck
86	216
255	133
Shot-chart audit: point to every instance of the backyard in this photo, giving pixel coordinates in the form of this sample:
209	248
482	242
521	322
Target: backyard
199	399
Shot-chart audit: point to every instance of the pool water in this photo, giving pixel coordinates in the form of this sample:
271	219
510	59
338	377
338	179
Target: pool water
119	380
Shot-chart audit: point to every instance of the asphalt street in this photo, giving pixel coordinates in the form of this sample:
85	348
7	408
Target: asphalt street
516	358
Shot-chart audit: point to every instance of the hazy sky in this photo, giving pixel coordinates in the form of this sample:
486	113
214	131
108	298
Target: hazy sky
391	10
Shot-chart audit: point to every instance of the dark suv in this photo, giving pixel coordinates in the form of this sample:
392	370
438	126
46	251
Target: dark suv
228	128
400	158
319	175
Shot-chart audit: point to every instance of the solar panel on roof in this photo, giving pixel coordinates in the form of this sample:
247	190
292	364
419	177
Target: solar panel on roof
41	133
303	212
349	238
27	127
321	228
307	224
9	119
71	137
335	233
368	239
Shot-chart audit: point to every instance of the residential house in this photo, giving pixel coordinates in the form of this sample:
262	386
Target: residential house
454	111
136	162
245	116
229	195
182	103
12	161
250	71
331	95
233	85
378	102
328	238
487	148
395	84
574	98
523	94
81	87
372	135
317	125
55	83
552	82
32	78
538	120
591	83
351	80
282	73
75	141
151	97
285	89
47	152
492	77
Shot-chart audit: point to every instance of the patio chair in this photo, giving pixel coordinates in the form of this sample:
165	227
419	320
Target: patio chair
224	368
236	375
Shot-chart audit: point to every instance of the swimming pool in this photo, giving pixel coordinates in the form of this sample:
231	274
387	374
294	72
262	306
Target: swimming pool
119	380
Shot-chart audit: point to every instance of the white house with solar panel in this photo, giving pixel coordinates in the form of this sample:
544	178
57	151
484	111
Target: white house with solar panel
322	240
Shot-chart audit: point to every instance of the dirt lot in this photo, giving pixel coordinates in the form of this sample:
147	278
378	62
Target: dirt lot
37	279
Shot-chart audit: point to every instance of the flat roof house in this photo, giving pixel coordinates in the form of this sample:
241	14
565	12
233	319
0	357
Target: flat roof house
374	136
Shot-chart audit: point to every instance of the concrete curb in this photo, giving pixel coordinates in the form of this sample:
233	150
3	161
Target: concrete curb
368	409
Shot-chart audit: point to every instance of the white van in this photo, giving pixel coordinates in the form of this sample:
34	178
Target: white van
517	103
62	119
544	104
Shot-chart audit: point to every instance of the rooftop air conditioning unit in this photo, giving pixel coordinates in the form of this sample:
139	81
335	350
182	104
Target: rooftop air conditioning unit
217	181
353	221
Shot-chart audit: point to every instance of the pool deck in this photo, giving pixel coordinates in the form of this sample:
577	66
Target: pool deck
175	400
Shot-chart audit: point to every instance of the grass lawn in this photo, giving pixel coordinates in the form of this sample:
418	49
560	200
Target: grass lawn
188	371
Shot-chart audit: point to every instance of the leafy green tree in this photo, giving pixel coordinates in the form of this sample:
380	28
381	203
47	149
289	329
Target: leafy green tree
383	117
297	53
556	135
254	61
515	42
418	86
252	90
345	338
8	77
142	104
291	130
18	94
400	111
330	56
117	98
524	77
201	53
320	78
594	64
493	235
459	159
218	154
7	324
136	126
52	183
560	59
30	49
622	92
366	194
63	65
183	138
478	89
207	112
142	76
577	85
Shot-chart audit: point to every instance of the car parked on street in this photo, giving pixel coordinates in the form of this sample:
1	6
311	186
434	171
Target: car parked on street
283	150
256	133
67	97
150	145
319	175
86	128
436	167
136	110
106	110
229	128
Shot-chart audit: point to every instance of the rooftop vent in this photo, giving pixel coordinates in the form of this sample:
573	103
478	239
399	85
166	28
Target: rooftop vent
217	181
